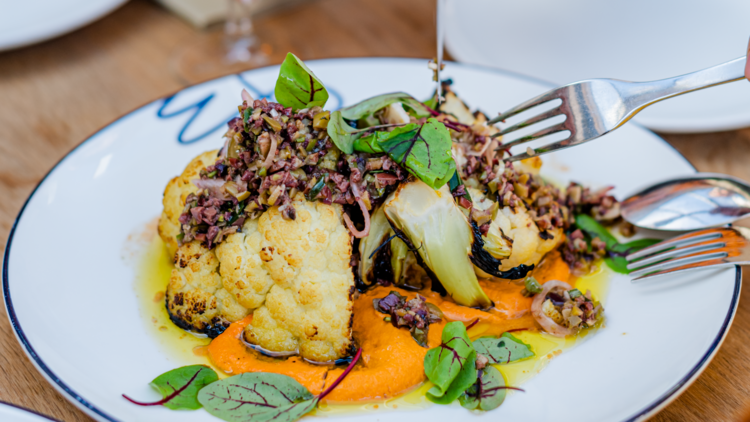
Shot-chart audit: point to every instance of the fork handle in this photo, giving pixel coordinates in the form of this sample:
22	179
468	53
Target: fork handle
655	91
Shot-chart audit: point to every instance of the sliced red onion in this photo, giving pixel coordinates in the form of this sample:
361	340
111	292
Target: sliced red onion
271	153
247	97
208	183
481	151
366	214
214	186
225	148
537	309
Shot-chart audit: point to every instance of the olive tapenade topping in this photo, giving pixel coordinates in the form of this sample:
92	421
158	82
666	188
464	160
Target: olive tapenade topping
415	314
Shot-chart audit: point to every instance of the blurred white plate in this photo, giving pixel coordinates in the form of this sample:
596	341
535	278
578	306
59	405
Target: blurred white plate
24	22
12	413
638	40
71	300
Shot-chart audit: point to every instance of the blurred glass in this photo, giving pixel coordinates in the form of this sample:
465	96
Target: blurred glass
234	47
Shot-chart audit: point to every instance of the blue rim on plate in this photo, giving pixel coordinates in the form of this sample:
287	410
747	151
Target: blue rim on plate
646	411
5	403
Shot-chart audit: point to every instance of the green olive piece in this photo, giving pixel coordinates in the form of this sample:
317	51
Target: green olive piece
274	124
320	120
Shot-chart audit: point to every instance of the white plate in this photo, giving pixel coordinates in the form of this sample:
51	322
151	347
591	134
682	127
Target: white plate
13	413
30	21
65	280
638	40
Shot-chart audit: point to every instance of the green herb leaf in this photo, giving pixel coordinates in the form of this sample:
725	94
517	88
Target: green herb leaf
616	259
341	133
257	397
453	360
315	190
344	135
467	376
616	251
508	348
179	387
371	143
455	182
487	393
297	86
589	225
425	151
371	105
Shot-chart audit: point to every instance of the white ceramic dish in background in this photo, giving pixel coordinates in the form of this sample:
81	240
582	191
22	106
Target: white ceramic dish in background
71	299
638	40
30	21
12	413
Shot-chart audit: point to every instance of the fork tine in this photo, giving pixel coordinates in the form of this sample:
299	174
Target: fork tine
536	135
680	241
674	264
547	96
675	253
718	262
538	118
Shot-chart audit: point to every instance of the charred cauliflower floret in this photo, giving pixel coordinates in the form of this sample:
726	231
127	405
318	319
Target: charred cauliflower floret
196	299
175	194
305	263
513	236
528	246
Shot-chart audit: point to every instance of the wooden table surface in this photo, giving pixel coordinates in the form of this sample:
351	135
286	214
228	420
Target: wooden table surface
53	95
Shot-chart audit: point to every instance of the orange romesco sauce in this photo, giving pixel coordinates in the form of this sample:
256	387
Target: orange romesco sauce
391	361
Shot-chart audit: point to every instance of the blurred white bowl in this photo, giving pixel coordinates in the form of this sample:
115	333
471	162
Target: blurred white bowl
571	40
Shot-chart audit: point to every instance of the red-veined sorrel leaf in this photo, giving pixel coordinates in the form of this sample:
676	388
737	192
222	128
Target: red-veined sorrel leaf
263	397
425	151
179	387
297	86
257	397
508	348
344	136
451	365
488	392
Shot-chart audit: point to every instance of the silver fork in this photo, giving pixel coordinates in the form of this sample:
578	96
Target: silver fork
597	106
714	248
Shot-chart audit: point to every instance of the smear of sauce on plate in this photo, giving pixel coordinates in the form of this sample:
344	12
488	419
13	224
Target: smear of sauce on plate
386	350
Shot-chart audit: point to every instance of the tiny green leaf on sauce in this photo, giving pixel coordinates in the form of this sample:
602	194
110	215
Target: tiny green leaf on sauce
444	363
487	393
425	151
297	86
508	348
466	377
257	397
179	387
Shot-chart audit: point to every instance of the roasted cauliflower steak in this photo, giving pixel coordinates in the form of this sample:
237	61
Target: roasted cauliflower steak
294	276
306	265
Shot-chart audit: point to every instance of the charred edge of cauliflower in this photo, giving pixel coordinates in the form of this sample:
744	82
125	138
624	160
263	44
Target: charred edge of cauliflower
488	263
212	330
193	293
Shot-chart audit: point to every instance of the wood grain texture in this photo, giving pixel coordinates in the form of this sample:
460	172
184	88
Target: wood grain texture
57	93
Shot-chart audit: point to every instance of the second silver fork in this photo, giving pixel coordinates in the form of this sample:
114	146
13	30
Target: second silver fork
712	248
597	106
